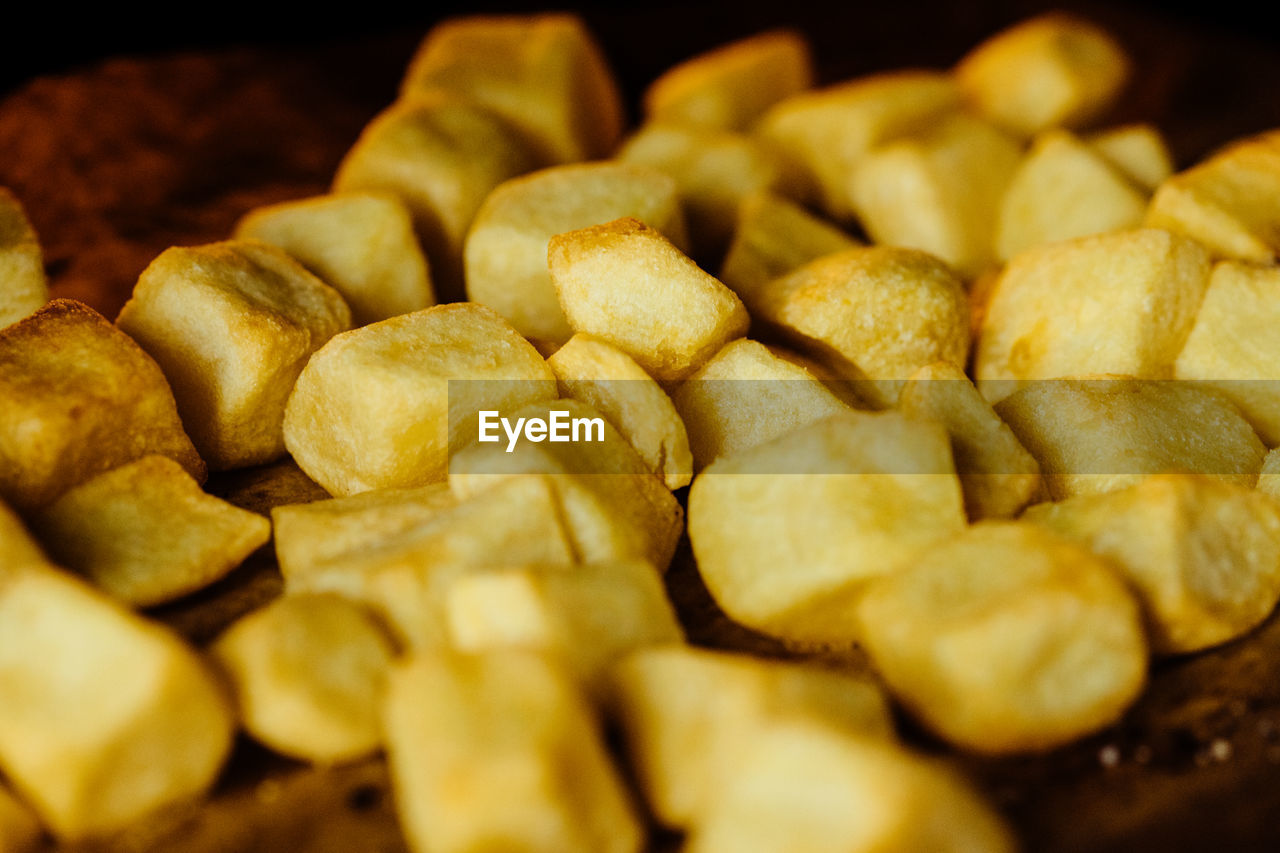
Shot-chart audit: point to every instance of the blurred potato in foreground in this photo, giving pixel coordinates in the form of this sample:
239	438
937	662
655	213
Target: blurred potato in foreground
23	285
80	397
19	830
361	244
506	248
1007	639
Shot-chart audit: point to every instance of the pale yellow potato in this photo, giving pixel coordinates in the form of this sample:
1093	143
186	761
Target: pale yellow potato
1055	70
688	714
360	243
788	534
1138	150
607	379
585	617
1042	651
23	285
730	87
1202	555
613	506
381	406
80	397
441	155
19	830
544	74
827	131
627	284
1233	345
1064	188
938	190
876	313
1269	476
773	236
109	717
997	474
1099	434
232	324
18	548
805	787
145	533
714	171
1118	303
1230	202
403	574
499	750
747	395
308	672
506	248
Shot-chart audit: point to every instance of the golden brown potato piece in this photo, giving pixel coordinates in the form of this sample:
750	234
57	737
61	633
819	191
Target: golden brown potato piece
827	131
670	698
544	74
876	313
1230	202
440	154
730	87
376	407
1095	435
1118	303
1045	650
80	397
18	548
1202	555
499	751
999	477
628	285
787	534
1055	70
19	829
362	244
232	324
1137	150
1064	189
938	190
109	717
145	532
23	286
1233	346
506	249
607	379
805	787
308	673
1269	476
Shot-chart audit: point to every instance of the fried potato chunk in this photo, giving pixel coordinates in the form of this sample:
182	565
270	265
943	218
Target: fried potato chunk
938	190
1202	555
831	505
876	313
362	244
805	787
688	715
1137	150
1232	345
1065	188
308	673
607	379
1007	639
441	155
827	131
145	532
19	829
1269	476
506	248
23	285
544	74
111	716
1055	70
627	284
231	324
1095	435
80	398
376	408
997	474
18	548
495	750
1118	303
